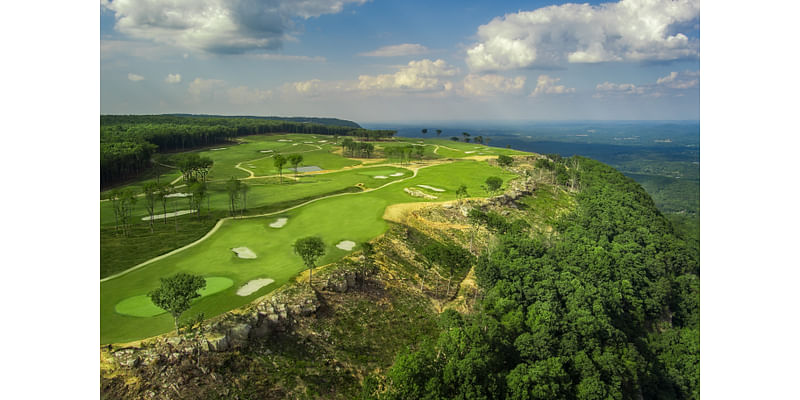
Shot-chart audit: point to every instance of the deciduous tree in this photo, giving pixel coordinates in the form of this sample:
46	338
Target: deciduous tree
309	249
176	293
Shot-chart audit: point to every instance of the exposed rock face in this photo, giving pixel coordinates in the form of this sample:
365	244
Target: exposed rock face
519	188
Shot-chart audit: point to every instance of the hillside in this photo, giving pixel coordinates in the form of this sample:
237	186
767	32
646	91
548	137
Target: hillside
312	120
570	285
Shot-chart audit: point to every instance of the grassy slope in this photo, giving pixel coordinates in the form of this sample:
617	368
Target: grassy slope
355	217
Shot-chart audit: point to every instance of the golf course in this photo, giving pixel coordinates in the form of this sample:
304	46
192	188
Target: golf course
246	255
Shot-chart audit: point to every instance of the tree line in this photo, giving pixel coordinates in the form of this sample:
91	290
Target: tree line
128	142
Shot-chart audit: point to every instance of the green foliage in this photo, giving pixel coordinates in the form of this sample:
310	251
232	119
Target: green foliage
504	160
176	293
309	249
493	184
583	314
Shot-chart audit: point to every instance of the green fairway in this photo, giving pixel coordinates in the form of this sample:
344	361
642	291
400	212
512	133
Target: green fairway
264	192
356	217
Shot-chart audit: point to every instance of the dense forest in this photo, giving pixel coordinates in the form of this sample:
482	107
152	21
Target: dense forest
312	120
127	142
606	307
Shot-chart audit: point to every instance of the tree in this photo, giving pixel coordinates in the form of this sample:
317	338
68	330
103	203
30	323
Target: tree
176	294
295	159
466	136
504	160
454	138
233	187
309	249
461	193
198	190
424	131
438	132
243	189
164	190
150	195
493	184
279	162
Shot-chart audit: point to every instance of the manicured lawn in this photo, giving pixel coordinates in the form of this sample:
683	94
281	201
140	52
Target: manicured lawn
355	217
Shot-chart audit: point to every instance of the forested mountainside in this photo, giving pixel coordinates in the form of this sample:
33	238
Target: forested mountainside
607	306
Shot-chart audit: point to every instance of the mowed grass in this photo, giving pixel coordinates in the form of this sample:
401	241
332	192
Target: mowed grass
142	306
356	217
320	158
265	192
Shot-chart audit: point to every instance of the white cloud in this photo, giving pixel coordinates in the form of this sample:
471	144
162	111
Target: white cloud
405	49
245	95
492	84
547	85
316	88
680	80
674	84
217	26
135	78
173	78
205	87
630	30
421	75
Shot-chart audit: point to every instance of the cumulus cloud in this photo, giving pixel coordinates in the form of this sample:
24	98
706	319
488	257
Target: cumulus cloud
680	80
135	78
674	83
205	87
630	30
217	26
245	95
421	75
547	85
286	57
405	49
173	78
492	84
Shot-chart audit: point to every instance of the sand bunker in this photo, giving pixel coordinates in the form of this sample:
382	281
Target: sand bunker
253	286
468	152
419	193
435	189
279	223
284	140
178	195
266	151
308	142
380	177
221	148
169	214
295	144
244	252
346	245
397	174
322	141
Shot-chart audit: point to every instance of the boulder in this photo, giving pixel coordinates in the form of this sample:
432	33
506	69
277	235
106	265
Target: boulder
218	343
240	332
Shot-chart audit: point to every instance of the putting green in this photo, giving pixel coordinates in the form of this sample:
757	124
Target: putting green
142	306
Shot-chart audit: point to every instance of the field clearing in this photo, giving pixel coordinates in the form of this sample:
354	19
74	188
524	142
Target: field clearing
356	217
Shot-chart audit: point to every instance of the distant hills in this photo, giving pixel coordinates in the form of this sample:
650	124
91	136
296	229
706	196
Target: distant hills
312	120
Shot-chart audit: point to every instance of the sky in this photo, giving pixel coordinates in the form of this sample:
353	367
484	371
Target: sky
402	61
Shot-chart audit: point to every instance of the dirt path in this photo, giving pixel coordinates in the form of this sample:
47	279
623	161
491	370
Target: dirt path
222	221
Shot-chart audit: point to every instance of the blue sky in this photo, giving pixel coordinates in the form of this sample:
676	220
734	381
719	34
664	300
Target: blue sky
400	61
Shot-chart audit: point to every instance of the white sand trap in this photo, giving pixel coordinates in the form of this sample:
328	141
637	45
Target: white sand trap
169	214
178	195
279	223
295	144
244	252
308	142
380	177
346	245
221	148
397	174
266	151
435	189
468	152
284	140
252	286
322	141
